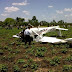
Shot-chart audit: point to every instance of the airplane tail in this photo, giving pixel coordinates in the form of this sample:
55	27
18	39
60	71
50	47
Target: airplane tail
68	40
60	29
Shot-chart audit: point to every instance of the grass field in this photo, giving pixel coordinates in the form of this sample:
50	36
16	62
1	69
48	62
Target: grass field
16	57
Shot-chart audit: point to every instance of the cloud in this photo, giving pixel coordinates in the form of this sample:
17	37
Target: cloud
69	15
59	12
4	14
22	3
50	6
52	18
11	9
26	19
66	15
68	9
26	12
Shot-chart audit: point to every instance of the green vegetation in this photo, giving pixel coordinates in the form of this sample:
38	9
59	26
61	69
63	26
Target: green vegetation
64	50
67	68
3	68
34	66
20	61
55	61
8	23
16	57
40	51
69	58
16	68
1	52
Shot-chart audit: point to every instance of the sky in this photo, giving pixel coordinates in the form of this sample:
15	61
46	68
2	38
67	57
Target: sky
44	10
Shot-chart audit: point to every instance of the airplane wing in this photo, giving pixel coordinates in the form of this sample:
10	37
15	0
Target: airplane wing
50	29
52	40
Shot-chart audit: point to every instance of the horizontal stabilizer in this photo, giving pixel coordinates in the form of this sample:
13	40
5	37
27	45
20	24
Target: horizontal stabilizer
61	29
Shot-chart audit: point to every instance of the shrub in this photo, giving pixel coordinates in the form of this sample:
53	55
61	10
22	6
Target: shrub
39	54
62	46
34	66
30	60
54	51
67	68
6	47
64	50
52	63
57	46
25	65
69	58
16	68
10	49
4	58
1	52
26	56
55	61
10	57
40	51
17	51
67	45
3	68
1	47
20	61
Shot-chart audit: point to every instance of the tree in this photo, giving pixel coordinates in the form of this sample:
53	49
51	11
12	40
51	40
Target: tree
44	23
19	21
34	18
1	23
9	21
61	22
34	21
53	22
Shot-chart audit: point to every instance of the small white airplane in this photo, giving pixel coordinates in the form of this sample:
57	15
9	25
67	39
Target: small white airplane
37	34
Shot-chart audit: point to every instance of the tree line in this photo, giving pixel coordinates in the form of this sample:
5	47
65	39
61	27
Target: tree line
34	21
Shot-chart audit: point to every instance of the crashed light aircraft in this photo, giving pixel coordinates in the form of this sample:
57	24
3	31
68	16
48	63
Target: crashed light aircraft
37	34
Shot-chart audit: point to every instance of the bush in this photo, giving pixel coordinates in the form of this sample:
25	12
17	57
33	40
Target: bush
1	47
16	68
40	51
39	54
54	51
3	68
34	66
6	47
1	52
10	49
64	50
26	56
43	49
67	68
10	57
20	61
4	58
17	51
69	58
52	63
57	46
55	61
30	60
25	65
